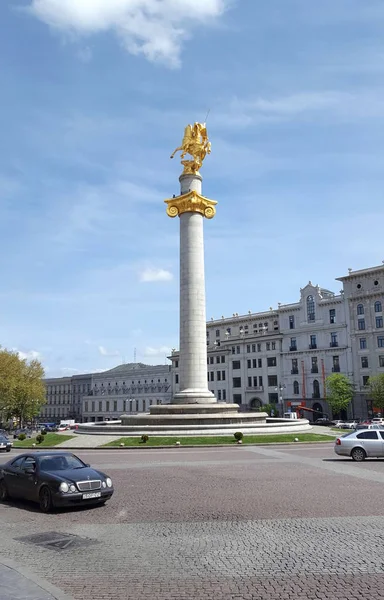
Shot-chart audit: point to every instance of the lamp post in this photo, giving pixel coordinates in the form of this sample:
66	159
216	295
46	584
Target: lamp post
281	387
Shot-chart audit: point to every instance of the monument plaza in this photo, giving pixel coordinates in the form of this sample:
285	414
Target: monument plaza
273	522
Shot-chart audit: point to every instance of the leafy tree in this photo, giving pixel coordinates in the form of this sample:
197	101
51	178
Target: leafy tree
376	386
339	392
22	391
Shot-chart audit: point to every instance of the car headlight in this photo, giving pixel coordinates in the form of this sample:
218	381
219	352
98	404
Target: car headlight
108	481
64	487
72	488
104	484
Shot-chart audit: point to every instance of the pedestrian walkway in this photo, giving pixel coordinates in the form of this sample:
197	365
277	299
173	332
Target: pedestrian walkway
16	583
83	440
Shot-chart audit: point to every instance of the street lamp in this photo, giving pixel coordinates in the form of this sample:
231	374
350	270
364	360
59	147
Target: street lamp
281	387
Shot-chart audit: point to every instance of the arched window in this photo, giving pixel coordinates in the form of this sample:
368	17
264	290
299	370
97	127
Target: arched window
360	309
296	388
311	308
316	389
378	307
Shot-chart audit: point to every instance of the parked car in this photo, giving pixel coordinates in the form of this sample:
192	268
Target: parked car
351	424
370	426
5	444
53	479
322	421
339	424
361	444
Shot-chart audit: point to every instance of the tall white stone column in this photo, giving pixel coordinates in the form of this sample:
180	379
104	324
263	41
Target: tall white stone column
192	207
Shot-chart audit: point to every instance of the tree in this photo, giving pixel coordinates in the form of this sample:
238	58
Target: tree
22	390
376	386
339	392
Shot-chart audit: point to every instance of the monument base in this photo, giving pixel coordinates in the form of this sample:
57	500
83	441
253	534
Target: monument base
194	396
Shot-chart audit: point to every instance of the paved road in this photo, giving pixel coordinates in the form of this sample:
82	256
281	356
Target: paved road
287	522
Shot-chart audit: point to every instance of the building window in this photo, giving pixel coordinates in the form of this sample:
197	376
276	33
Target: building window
312	342
259	347
249	363
379	322
314	365
334	342
254	363
93	406
100	406
229	330
381	361
360	309
310	309
273	345
217	360
237	398
236	382
378	307
364	362
363	343
235	364
380	341
212	376
272	380
273	398
268	346
332	315
260	363
217	333
255	381
260	381
293	344
271	362
237	349
210	361
248	348
361	324
249	381
219	394
233	349
223	376
224	392
316	389
222	359
176	364
295	368
115	405
365	380
336	364
86	406
296	388
176	378
107	406
253	347
292	322
218	375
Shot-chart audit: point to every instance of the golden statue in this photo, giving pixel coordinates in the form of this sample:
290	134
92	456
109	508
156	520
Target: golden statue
195	142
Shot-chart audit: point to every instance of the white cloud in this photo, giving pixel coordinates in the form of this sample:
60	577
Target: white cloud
104	352
155	28
150	274
29	355
162	351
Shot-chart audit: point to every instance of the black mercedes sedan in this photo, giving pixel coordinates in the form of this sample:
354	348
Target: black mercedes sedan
53	480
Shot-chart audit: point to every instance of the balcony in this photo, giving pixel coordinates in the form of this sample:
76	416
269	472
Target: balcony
294	371
315	370
254	388
312	346
336	369
292	348
334	344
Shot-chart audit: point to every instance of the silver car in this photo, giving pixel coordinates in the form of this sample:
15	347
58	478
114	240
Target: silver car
361	444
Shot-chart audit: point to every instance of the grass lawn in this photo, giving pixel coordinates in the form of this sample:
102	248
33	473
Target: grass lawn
338	430
50	439
230	440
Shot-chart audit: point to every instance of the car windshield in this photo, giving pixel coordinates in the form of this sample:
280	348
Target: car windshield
3	438
60	462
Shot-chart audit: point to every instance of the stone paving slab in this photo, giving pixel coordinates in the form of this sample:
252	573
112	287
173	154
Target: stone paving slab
16	583
87	441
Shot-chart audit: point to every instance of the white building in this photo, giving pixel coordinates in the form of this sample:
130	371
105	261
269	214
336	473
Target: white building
129	388
364	301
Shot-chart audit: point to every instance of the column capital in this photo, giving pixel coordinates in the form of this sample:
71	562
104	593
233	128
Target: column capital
191	202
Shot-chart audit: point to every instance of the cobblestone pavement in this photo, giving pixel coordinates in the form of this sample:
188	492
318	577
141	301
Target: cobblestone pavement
86	441
289	522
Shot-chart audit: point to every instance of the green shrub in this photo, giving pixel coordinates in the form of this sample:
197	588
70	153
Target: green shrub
21	437
43	432
39	438
144	438
238	435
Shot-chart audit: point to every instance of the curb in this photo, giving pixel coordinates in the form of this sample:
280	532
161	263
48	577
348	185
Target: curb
55	592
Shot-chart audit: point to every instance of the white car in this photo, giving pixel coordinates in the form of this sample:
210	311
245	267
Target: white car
339	424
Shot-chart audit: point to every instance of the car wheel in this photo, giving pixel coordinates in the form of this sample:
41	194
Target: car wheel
3	491
45	499
8	449
358	454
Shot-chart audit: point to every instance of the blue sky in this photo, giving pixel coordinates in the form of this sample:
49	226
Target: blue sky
95	96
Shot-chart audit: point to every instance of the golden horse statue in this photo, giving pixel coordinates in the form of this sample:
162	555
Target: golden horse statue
195	142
